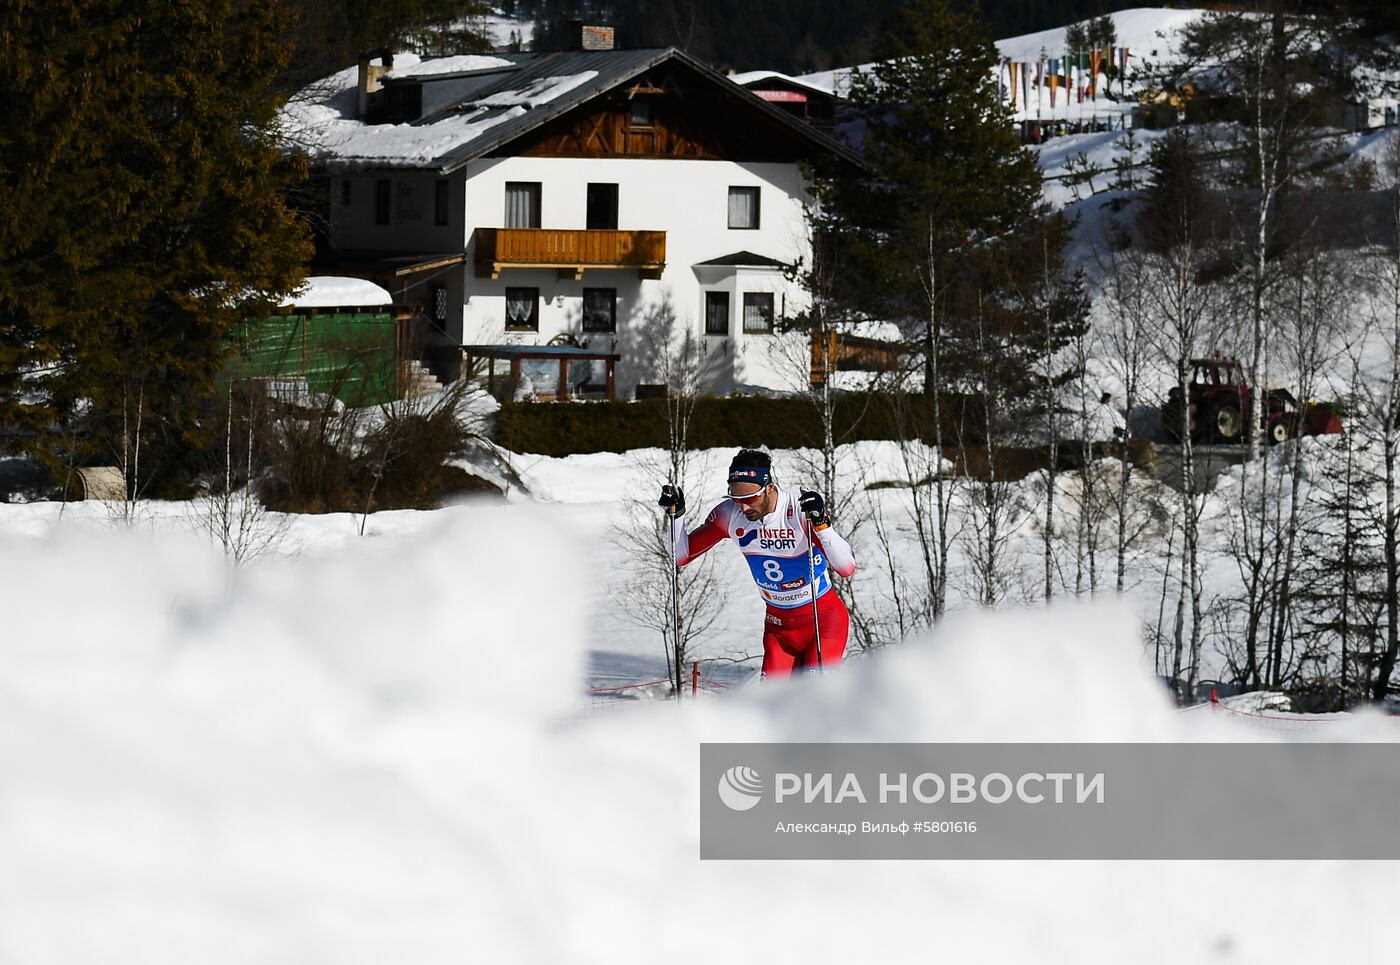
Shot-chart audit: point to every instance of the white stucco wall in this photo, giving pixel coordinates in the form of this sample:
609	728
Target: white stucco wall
688	199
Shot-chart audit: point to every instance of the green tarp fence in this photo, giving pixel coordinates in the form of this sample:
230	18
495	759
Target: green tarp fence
353	356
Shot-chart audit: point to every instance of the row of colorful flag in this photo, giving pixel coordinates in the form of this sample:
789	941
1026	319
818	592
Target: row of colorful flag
1056	72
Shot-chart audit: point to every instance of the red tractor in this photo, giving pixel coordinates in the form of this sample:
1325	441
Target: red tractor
1218	405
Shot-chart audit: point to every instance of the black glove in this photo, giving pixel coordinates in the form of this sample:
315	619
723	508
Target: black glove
672	501
814	507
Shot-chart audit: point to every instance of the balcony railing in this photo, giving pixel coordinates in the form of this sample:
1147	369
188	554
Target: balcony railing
569	251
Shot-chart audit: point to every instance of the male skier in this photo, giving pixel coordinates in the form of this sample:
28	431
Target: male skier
767	524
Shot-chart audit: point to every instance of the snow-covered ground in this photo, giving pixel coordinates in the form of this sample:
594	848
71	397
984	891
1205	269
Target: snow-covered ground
596	501
367	749
505	30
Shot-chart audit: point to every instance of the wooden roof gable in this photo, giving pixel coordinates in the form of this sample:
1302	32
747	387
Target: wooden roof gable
697	112
672	110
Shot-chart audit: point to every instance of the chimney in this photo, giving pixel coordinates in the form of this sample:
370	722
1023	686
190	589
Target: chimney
369	76
589	36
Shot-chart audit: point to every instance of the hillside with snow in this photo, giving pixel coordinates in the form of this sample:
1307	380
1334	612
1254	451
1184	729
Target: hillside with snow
1150	34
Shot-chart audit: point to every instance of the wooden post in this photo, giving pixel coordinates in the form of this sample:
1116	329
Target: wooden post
514	376
610	380
563	380
694	677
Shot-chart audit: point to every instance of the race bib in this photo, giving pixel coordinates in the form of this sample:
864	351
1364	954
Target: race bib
784	579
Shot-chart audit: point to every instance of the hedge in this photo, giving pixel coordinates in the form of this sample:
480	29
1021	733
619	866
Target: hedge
561	429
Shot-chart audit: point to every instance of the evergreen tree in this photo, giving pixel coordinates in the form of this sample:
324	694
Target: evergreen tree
953	188
1341	595
142	211
330	34
1179	207
794	36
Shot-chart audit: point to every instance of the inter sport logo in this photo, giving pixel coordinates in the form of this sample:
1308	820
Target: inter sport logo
740	787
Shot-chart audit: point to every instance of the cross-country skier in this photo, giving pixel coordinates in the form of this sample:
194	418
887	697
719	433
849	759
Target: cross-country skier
767	523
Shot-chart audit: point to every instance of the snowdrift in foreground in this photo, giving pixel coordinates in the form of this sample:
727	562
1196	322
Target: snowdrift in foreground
364	757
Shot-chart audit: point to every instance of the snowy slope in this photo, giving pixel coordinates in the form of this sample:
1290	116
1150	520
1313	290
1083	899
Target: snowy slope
1150	33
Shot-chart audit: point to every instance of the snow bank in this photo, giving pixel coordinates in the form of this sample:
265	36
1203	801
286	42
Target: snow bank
358	757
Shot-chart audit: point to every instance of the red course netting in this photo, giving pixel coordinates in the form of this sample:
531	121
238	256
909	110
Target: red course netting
695	679
606	700
1272	721
599	691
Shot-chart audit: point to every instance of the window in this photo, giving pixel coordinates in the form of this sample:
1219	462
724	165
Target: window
438	298
600	309
522	309
292	391
641	112
345	190
743	207
602	206
522	204
442	202
758	312
382	195
716	313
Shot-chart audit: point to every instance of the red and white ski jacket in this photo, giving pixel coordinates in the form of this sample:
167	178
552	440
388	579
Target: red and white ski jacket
775	547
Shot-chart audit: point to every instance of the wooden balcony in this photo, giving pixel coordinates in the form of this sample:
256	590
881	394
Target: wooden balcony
568	251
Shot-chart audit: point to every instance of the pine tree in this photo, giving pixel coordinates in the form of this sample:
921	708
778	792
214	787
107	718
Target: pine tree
142	211
953	187
1179	206
1341	596
330	34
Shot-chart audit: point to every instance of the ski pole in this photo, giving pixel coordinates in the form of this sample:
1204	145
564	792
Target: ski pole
812	582
675	603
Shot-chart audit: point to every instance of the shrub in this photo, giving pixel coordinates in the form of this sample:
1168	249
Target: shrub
778	423
336	459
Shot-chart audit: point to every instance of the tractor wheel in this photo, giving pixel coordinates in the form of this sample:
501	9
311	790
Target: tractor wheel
1227	423
1279	432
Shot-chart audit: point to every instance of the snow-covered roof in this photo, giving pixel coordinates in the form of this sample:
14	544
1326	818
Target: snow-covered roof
333	291
748	77
487	101
413	66
873	329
